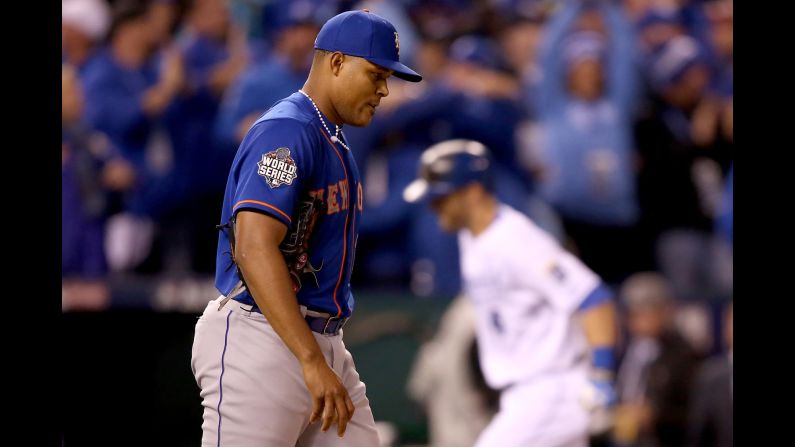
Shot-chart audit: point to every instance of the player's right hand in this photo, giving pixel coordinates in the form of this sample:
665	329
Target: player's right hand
329	397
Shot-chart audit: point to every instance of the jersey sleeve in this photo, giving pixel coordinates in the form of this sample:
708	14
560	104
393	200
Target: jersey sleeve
275	162
566	282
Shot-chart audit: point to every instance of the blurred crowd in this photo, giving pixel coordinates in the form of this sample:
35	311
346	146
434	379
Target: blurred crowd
611	122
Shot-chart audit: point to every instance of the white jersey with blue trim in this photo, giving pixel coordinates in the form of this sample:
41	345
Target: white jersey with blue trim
526	289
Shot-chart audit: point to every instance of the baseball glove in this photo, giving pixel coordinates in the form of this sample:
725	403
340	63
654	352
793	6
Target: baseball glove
294	246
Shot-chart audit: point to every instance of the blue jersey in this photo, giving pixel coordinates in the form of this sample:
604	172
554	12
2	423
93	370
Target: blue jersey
285	157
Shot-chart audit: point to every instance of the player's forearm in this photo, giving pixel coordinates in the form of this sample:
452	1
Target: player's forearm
269	283
600	324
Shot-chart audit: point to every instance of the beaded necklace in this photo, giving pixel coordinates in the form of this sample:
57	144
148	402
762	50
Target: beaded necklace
334	138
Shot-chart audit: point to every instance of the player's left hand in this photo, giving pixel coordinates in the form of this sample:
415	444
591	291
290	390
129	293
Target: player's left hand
599	398
602	394
330	399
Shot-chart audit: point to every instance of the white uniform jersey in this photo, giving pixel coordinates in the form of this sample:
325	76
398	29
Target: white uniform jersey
526	289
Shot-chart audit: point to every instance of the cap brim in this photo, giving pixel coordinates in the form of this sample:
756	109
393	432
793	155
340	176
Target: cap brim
401	71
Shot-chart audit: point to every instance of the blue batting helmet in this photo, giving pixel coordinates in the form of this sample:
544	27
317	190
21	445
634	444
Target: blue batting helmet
448	166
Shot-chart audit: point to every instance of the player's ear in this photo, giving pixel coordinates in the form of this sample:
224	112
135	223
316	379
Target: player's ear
335	61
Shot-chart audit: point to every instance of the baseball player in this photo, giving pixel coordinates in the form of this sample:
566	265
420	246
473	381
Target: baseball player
268	353
545	323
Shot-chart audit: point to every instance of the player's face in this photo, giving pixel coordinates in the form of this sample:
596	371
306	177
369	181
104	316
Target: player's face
359	89
450	210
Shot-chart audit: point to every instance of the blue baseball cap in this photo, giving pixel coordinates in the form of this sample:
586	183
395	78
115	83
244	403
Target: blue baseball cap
476	50
366	35
667	65
583	45
448	166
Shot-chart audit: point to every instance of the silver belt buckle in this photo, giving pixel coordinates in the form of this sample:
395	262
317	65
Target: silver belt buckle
325	327
341	325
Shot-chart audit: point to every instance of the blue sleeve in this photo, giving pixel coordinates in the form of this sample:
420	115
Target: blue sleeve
622	73
552	89
275	163
600	294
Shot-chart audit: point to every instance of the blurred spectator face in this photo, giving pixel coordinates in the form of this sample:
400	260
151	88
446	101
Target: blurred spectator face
582	53
635	8
722	32
210	17
520	43
132	27
728	119
585	79
73	42
723	36
296	43
83	24
162	14
71	96
431	59
591	20
138	30
690	88
648	298
679	73
649	322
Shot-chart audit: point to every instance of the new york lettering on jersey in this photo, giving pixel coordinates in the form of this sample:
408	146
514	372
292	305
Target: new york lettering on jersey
286	157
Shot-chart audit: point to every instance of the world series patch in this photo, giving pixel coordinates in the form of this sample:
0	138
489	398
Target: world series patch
278	167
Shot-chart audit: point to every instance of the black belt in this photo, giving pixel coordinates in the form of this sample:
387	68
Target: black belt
326	326
321	325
